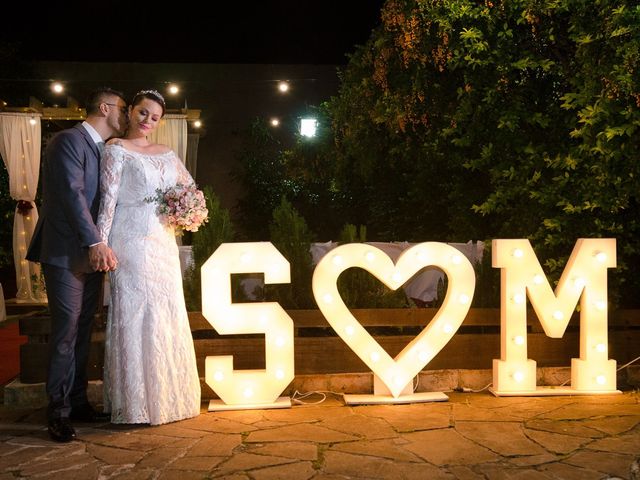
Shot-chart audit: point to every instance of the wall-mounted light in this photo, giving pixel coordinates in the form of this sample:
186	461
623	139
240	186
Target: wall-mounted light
173	89
197	124
274	122
308	127
57	87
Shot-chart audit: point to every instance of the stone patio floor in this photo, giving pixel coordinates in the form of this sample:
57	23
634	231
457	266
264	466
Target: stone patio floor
472	436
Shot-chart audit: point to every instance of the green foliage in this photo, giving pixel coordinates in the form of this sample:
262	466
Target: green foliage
261	174
205	241
291	236
473	120
359	288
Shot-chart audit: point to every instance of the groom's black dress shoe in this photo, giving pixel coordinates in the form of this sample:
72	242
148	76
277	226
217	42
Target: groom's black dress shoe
60	430
86	413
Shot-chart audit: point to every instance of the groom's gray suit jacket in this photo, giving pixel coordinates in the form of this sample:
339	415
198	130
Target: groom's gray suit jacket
71	199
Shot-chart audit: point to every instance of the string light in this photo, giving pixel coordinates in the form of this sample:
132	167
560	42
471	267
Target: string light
283	86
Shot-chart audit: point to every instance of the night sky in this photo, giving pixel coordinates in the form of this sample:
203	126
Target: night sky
319	32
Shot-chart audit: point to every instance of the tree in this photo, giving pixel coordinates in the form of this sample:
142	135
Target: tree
498	119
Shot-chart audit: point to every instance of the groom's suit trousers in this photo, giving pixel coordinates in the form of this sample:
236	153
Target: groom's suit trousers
73	300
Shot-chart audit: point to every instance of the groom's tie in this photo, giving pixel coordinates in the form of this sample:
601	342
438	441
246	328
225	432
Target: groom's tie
101	148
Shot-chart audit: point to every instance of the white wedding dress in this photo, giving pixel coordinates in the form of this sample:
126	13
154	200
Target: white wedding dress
150	373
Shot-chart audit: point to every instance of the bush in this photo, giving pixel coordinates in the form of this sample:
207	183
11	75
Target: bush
359	288
292	237
205	241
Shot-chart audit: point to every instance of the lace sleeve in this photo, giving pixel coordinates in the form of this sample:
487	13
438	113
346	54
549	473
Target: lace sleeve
110	175
184	177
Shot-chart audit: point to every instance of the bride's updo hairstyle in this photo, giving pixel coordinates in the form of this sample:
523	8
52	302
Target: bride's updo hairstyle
151	95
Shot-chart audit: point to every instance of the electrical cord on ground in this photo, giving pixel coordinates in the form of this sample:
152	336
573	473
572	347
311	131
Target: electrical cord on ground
617	370
299	397
471	390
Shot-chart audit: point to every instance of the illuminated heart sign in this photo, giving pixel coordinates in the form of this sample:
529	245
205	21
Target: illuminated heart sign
584	279
396	373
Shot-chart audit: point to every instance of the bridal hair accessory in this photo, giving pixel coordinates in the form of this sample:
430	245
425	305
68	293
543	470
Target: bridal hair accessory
153	93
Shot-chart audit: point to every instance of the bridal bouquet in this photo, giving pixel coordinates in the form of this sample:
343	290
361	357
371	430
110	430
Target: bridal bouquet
182	207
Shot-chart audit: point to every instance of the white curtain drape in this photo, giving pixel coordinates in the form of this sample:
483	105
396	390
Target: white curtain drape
20	139
172	132
192	153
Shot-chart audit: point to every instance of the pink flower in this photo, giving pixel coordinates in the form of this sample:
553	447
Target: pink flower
181	207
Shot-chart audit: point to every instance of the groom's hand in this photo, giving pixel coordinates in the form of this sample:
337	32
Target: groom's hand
102	258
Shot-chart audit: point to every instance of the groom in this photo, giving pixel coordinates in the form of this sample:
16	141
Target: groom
67	244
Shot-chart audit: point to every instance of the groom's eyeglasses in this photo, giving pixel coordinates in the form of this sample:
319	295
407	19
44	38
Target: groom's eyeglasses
122	109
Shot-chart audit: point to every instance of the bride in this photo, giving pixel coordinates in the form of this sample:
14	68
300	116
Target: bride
150	373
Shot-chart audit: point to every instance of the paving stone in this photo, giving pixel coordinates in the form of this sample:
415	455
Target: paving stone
247	417
41	439
503	438
377	448
582	410
137	474
611	463
183	475
366	427
462	412
134	441
200	464
243	462
532	460
576	429
326	476
297	471
532	409
75	472
268	424
613	425
357	466
57	463
447	447
302	414
216	444
295	450
500	472
110	471
114	456
8	449
23	456
570	472
555	442
464	473
172	430
213	423
235	476
301	432
161	457
627	443
409	418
